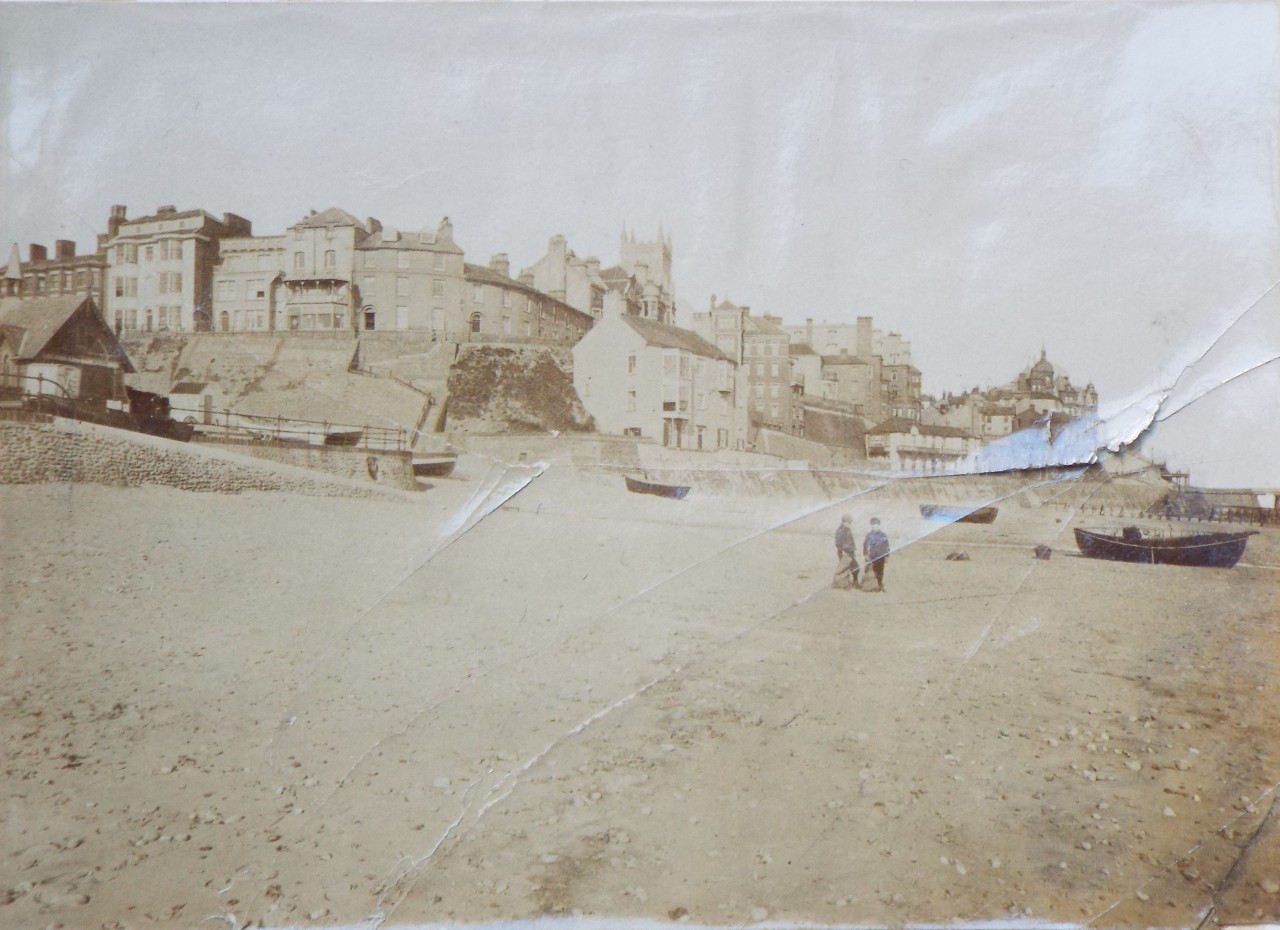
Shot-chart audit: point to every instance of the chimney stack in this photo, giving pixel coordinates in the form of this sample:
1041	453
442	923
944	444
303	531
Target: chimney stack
501	264
864	337
37	253
115	220
167	209
64	248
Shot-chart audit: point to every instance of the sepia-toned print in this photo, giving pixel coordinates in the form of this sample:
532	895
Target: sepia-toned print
639	465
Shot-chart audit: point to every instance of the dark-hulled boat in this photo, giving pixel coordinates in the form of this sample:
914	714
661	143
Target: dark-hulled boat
959	514
346	438
675	491
435	466
1208	550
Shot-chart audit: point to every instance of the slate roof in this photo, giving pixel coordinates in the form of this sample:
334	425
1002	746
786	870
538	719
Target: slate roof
666	336
482	274
31	324
763	327
331	217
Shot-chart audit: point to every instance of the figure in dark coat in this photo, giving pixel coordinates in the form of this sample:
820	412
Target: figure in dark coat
847	552
875	548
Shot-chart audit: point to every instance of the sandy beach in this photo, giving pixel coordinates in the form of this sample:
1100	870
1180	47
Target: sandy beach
282	710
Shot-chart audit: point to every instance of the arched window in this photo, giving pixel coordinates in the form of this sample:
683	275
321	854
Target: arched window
475	322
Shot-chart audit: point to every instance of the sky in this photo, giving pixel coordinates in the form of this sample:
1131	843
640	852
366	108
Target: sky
987	179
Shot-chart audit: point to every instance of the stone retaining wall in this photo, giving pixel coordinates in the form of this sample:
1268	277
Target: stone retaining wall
394	469
86	453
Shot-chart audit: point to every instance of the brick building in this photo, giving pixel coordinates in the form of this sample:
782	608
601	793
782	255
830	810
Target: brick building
161	268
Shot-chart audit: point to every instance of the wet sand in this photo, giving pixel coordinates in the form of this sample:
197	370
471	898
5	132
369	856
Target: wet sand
288	710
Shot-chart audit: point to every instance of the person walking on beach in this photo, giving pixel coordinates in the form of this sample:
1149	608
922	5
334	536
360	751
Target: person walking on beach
875	549
847	553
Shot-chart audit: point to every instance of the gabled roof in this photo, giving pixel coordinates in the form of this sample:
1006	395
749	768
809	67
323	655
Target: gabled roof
800	348
762	327
331	217
31	324
666	336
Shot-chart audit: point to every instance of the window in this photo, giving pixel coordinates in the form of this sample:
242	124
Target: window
330	258
437	261
631	364
437	288
170	250
298	233
402	317
773	369
631	400
257	290
370	319
506	325
402	259
151	253
773	411
119	287
402	286
477	294
684	366
170	282
226	290
475	323
299	261
773	390
506	299
371	259
80	278
368	286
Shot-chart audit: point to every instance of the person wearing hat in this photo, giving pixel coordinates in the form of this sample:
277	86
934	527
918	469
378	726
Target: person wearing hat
847	552
875	549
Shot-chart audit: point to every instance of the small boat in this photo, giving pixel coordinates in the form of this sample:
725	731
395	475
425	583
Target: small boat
1211	550
351	438
676	491
959	514
435	466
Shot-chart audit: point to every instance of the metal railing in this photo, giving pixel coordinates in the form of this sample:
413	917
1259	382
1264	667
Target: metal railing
228	425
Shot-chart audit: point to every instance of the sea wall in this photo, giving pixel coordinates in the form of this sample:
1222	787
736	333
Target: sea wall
392	469
83	452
